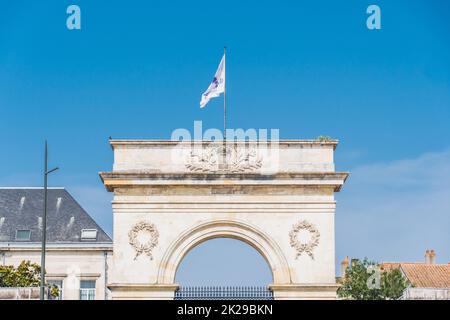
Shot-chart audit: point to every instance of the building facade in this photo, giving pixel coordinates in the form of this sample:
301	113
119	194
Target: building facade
78	250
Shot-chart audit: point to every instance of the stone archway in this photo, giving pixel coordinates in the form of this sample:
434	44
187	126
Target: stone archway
238	230
182	196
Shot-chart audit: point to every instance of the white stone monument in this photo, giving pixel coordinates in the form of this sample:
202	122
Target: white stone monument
170	196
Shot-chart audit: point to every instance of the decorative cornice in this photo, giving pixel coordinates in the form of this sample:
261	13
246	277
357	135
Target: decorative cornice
136	143
144	178
221	175
37	246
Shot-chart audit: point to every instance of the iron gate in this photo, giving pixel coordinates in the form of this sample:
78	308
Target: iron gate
223	293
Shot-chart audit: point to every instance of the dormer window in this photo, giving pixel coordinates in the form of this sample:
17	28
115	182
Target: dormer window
23	235
88	234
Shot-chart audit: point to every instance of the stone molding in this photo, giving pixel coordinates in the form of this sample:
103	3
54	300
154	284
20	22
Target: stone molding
170	143
142	291
309	291
125	179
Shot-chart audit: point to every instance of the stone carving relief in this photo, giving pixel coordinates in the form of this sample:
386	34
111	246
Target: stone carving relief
304	247
215	158
145	229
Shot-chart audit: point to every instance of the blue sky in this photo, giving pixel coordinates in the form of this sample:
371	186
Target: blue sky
137	69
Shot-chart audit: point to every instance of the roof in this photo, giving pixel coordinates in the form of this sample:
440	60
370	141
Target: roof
22	209
423	275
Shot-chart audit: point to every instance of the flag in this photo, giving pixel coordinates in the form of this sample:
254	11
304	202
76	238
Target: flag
217	86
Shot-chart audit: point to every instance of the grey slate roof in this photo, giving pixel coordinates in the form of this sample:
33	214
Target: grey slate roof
22	209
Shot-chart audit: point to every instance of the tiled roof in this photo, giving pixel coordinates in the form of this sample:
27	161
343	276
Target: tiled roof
390	265
22	209
423	275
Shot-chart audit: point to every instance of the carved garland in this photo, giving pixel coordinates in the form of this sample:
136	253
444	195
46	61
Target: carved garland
304	247
145	247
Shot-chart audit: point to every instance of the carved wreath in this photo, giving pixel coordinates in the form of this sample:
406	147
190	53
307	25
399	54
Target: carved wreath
238	159
146	247
304	247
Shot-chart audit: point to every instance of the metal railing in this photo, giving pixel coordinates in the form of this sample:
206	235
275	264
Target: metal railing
22	293
223	293
426	294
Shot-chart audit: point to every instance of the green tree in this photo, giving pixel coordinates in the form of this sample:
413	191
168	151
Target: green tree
364	280
393	283
27	274
6	276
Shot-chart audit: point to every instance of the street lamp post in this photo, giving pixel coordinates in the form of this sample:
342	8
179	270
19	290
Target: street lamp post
44	223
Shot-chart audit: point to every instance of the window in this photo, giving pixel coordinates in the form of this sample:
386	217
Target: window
89	234
23	235
59	284
87	290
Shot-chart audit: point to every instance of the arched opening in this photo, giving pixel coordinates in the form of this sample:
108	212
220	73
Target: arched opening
223	262
233	229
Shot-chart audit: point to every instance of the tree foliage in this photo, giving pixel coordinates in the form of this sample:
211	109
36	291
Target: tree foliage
26	274
364	280
393	283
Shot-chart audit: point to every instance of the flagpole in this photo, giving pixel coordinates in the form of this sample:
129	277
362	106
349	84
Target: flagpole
225	96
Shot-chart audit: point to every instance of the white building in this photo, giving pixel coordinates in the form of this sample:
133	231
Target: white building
78	250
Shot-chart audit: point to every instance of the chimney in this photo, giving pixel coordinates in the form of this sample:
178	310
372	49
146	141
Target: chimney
344	266
430	257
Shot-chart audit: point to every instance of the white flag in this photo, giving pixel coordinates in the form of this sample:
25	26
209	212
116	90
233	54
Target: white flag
217	86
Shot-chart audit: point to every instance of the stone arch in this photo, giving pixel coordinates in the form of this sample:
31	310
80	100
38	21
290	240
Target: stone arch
224	229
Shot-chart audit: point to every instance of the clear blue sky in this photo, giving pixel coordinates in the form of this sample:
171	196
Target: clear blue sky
137	69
